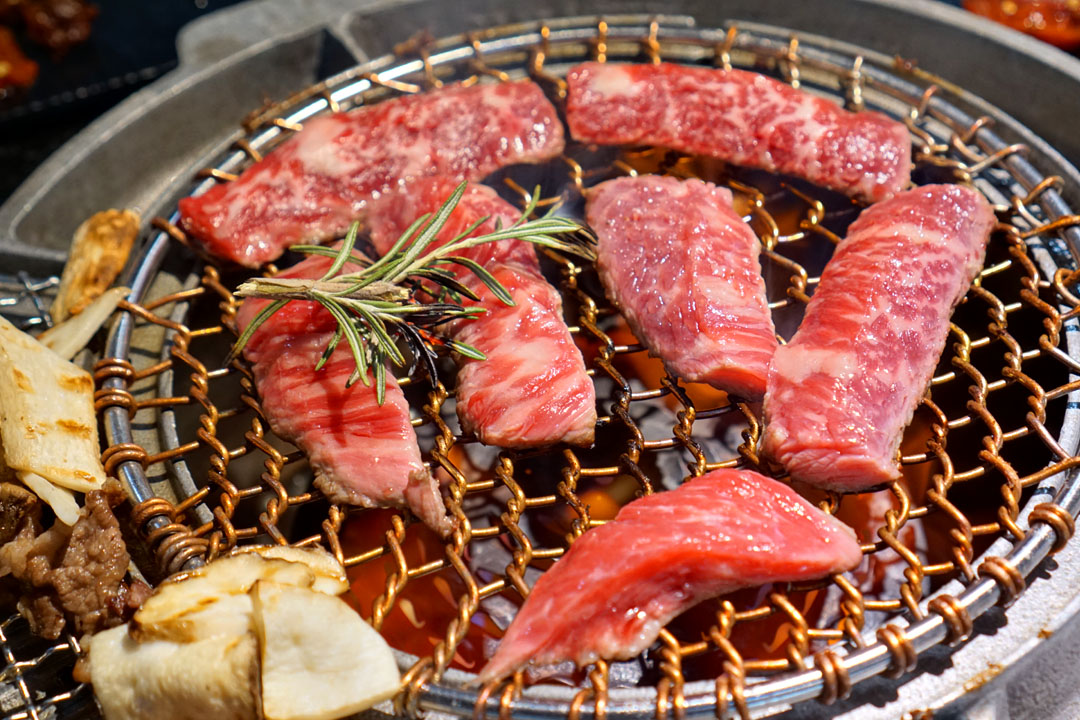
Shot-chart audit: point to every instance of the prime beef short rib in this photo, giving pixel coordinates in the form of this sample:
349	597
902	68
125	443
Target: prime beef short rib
842	391
683	268
317	183
743	118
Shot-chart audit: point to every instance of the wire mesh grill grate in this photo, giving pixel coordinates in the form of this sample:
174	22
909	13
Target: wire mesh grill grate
24	300
36	680
987	432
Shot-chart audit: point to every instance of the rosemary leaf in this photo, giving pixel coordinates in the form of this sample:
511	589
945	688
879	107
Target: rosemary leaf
484	276
446	281
344	252
467	350
380	383
392	253
357	257
428	233
258	320
383	343
330	348
473	228
356	343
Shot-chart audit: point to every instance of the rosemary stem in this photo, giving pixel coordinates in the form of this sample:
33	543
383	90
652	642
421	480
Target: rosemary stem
304	289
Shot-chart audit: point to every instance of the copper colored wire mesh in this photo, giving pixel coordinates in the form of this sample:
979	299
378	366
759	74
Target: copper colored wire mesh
983	434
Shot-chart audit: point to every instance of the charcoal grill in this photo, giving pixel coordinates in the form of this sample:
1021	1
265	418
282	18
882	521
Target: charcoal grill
188	438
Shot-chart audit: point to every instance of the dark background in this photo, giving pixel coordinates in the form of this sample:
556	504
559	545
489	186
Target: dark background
132	44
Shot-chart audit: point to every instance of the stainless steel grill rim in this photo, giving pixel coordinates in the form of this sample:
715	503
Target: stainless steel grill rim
805	55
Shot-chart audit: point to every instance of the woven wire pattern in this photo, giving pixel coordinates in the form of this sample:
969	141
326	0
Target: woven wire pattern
24	300
985	432
36	679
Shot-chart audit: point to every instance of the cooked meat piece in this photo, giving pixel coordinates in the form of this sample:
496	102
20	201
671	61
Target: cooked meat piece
619	584
533	389
314	185
44	614
683	268
842	391
16	503
743	118
71	574
40	607
93	565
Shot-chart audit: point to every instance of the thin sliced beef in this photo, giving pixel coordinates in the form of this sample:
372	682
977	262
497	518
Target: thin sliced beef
363	453
532	390
315	184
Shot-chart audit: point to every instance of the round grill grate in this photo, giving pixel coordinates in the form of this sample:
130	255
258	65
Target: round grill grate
990	448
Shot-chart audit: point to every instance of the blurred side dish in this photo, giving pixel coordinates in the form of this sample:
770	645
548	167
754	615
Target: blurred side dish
1054	21
57	25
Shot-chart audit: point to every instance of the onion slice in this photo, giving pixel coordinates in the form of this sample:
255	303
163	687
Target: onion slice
72	335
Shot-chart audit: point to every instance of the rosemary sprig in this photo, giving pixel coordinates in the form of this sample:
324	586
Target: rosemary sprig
378	303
